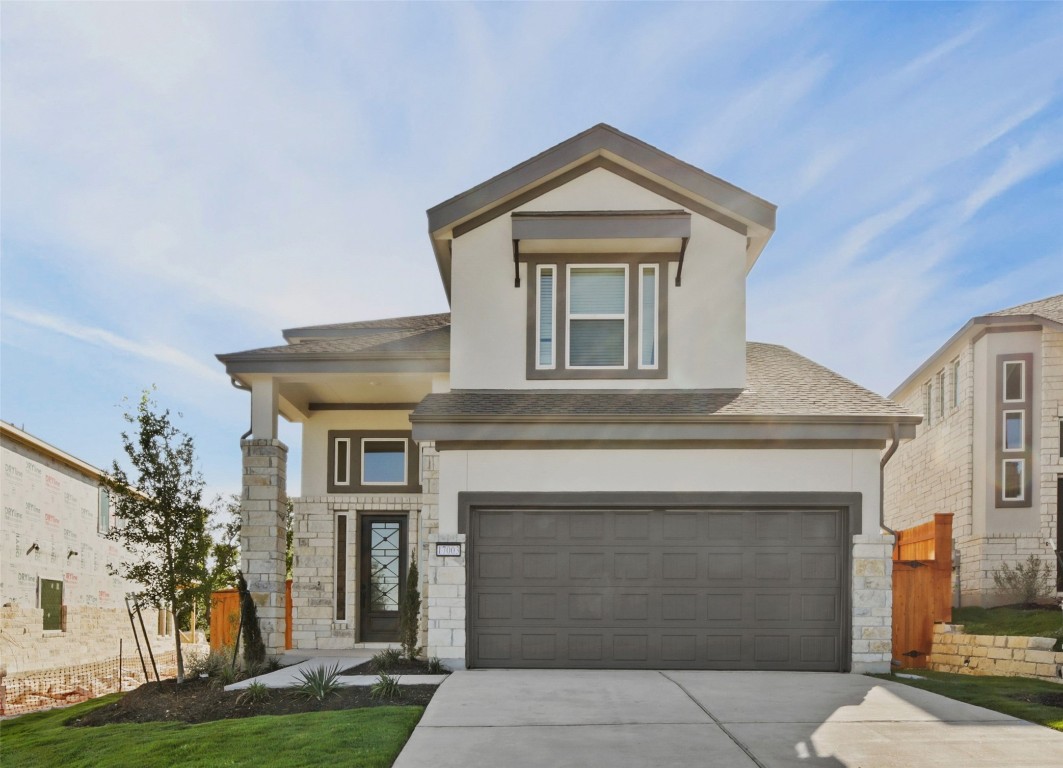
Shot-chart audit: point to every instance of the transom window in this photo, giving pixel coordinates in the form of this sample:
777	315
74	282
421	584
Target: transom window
600	318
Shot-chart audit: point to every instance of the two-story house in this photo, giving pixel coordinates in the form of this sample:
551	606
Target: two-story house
989	448
586	459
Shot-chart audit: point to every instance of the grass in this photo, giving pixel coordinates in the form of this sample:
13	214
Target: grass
1010	621
994	693
363	737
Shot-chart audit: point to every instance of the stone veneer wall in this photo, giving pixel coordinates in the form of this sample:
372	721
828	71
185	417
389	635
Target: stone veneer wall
262	534
1051	460
314	626
955	651
89	634
872	603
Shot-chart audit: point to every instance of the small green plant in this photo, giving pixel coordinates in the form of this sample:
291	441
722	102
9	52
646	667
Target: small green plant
209	664
256	693
435	667
227	675
385	687
319	682
409	616
273	663
386	660
1026	581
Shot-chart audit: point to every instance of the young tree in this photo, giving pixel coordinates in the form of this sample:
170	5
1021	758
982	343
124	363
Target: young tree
161	520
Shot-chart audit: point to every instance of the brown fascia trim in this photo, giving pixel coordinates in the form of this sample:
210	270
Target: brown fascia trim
985	324
665	445
588	225
474	418
603	138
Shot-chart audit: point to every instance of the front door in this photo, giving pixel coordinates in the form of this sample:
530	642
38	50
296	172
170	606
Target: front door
382	554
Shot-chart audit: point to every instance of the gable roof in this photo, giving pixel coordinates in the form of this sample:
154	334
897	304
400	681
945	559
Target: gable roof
601	146
406	323
1043	312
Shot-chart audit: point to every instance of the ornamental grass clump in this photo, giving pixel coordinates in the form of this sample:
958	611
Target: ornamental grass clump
320	682
385	687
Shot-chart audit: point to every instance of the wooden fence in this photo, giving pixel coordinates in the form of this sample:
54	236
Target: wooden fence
225	617
922	588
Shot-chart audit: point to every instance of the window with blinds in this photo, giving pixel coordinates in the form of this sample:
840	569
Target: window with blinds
648	316
597	316
545	321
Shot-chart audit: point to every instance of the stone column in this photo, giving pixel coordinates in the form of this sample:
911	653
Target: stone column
262	534
872	601
446	602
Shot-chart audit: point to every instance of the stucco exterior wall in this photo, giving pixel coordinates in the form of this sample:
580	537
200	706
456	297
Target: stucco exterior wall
489	315
658	470
315	440
47	503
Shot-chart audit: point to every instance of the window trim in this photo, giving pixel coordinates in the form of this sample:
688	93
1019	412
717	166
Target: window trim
539	270
1004	431
336	462
1021	462
1024	406
642	268
561	261
356	436
405	460
1004	380
625	318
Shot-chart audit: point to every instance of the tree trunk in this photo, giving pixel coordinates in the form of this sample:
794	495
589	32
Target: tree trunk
177	639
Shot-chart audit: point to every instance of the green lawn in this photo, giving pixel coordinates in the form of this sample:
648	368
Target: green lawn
996	693
355	737
1010	621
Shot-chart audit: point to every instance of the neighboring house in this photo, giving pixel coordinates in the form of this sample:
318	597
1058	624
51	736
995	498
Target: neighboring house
587	460
989	448
60	607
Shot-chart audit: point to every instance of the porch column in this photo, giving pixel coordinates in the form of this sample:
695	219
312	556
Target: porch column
262	533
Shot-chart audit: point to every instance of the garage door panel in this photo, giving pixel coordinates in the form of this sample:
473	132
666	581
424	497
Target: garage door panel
684	589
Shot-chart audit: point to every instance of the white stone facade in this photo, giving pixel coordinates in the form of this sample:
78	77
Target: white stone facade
872	603
949	466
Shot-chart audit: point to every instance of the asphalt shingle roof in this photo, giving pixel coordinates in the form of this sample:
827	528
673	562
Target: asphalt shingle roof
407	323
433	341
1051	308
779	383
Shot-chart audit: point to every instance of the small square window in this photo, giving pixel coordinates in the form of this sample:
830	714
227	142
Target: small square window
1013	474
383	461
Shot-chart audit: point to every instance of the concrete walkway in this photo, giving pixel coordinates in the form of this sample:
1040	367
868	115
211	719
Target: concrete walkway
290	676
626	719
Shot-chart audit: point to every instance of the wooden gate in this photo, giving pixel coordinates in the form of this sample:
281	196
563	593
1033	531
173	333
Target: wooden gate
225	617
922	589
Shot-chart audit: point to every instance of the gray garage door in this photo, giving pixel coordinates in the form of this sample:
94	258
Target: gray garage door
682	589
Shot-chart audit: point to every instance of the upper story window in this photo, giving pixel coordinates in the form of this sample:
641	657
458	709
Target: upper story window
1013	439
372	462
928	401
103	521
957	391
596	317
941	393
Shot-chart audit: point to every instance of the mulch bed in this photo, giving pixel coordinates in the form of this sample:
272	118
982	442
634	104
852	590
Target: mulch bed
200	700
404	667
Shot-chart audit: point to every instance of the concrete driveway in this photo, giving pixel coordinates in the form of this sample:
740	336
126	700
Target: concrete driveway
717	719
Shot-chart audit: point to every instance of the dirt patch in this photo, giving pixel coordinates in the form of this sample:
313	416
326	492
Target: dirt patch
200	700
404	667
1053	699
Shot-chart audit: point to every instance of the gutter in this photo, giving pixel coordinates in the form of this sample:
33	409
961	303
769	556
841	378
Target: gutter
243	388
896	441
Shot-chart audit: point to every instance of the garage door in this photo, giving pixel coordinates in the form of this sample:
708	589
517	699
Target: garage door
668	589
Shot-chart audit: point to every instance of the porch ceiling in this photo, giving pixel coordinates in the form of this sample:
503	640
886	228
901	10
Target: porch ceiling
353	389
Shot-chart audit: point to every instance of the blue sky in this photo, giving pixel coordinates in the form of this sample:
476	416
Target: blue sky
182	180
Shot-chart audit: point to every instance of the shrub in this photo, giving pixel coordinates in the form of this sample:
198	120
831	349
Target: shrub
409	616
254	648
435	667
319	682
386	660
1026	581
386	687
254	694
209	664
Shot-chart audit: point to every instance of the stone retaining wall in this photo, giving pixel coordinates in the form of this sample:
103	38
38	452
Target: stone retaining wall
955	651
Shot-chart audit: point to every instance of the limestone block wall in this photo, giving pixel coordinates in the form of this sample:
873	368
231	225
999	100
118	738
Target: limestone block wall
263	533
955	651
1051	460
933	473
446	602
872	603
314	622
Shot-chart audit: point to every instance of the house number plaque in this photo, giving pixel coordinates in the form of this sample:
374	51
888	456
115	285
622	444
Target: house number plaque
448	550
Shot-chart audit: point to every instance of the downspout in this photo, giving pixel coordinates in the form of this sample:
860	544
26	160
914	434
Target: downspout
243	388
882	480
